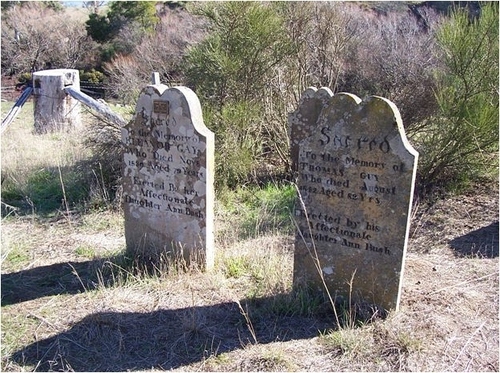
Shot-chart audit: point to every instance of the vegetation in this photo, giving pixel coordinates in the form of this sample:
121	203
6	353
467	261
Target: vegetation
249	62
231	70
73	301
122	27
119	15
461	145
37	37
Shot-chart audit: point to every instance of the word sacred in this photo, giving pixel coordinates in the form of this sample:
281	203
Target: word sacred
361	143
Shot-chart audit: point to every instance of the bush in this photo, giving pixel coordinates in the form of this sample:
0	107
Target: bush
237	146
255	210
121	13
462	143
160	52
92	76
230	71
393	56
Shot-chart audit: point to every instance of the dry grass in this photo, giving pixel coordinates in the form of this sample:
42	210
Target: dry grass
22	151
71	301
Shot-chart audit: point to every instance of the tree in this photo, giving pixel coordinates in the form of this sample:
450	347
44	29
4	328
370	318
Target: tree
93	6
104	28
246	41
142	12
35	37
463	143
99	28
391	55
161	51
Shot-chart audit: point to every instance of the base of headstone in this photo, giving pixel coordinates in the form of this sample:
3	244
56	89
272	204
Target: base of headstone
149	252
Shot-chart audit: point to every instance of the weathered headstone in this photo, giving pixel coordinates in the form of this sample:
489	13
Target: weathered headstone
356	176
168	176
302	122
54	109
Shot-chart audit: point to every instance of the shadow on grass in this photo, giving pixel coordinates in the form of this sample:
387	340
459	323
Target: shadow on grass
60	278
163	339
481	242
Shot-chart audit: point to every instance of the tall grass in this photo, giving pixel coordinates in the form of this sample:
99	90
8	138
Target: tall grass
45	173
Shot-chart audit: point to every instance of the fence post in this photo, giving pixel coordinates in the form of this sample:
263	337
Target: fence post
54	109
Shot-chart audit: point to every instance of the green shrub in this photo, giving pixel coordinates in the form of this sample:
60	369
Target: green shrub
43	192
24	78
92	76
461	145
255	210
230	71
237	146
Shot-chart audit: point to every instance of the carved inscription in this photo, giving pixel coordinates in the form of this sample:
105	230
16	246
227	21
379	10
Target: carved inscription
355	179
349	181
167	157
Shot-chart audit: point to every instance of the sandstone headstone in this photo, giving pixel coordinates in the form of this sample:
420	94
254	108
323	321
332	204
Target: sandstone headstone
356	176
302	122
54	109
168	176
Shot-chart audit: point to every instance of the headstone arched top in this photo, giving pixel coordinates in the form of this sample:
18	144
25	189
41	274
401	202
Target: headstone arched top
302	121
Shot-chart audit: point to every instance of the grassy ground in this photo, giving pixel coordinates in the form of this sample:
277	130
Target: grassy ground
70	301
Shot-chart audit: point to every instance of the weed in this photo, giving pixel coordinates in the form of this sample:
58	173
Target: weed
85	251
262	266
297	302
254	211
248	322
271	361
45	173
395	344
344	342
236	266
17	256
314	255
18	335
101	221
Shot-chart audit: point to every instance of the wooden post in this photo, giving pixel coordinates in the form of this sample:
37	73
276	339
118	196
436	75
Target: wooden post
55	110
96	105
155	78
16	108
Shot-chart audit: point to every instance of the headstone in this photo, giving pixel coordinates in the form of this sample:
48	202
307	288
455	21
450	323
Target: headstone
168	177
54	109
356	176
302	122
